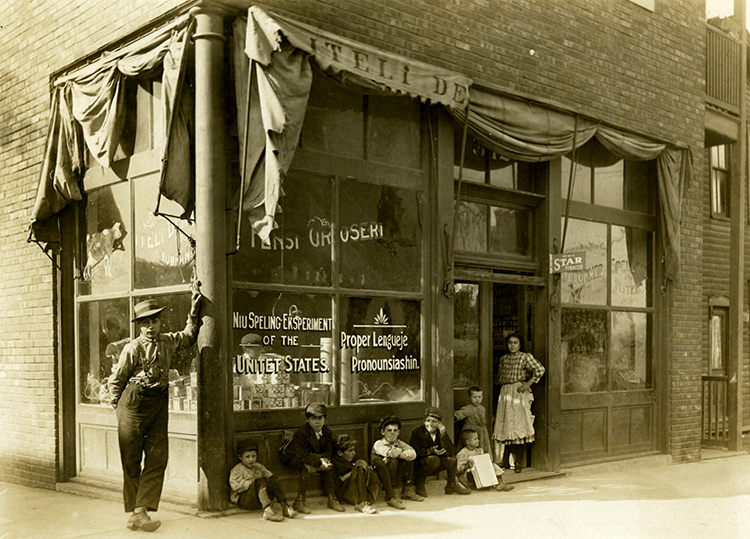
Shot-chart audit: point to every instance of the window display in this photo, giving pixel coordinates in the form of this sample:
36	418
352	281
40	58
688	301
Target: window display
380	350
284	350
163	255
105	267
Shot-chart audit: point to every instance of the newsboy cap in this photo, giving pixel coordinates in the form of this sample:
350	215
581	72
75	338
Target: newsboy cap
316	408
431	411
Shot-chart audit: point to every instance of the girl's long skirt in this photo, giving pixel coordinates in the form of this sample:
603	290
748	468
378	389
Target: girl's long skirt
514	423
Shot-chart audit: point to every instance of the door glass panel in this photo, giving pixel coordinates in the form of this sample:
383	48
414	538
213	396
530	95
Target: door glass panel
466	335
630	266
583	350
104	329
163	255
588	286
106	267
629	351
471	227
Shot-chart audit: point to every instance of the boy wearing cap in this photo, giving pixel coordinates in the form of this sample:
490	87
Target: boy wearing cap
255	487
312	450
356	482
435	453
393	460
139	391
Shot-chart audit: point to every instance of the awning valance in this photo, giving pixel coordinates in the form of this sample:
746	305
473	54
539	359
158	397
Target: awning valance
533	132
88	112
279	52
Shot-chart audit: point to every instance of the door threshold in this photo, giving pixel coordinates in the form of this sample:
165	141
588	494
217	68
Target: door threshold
529	474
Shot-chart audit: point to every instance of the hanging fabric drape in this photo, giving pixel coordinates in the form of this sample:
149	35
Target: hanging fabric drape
88	112
530	132
281	50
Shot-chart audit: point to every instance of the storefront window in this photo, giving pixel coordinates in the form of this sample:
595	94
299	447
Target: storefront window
471	227
588	286
104	329
630	266
106	265
300	250
380	350
466	335
163	255
380	234
631	368
283	350
584	350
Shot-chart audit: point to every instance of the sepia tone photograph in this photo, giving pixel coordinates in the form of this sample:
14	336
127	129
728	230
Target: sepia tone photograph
374	268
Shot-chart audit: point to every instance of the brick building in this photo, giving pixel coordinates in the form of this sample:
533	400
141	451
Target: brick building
370	295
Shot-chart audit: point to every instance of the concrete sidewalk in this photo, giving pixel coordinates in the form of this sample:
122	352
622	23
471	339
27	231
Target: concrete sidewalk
709	498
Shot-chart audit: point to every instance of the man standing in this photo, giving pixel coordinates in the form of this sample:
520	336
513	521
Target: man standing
140	392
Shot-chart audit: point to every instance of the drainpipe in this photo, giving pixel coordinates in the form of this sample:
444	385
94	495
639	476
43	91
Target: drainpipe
211	261
737	251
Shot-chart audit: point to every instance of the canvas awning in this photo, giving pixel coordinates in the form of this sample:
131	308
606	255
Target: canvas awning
276	68
532	132
88	112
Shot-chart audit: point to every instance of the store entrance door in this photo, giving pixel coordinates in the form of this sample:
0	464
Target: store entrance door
485	313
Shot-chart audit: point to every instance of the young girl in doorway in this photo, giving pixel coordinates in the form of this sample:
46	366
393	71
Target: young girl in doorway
514	424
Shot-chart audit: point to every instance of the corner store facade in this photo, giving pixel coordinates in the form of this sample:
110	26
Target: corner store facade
420	177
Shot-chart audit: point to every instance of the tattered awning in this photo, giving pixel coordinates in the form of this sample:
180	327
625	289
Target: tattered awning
88	112
532	132
274	76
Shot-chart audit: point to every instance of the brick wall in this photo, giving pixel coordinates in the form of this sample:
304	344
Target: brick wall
37	38
609	59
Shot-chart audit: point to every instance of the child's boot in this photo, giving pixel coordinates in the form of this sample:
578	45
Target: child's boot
270	514
502	486
334	504
300	506
287	511
410	493
420	489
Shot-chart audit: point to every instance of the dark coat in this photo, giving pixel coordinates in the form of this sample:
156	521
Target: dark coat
423	444
308	449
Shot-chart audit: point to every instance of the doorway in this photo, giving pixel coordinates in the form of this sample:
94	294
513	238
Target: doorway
485	313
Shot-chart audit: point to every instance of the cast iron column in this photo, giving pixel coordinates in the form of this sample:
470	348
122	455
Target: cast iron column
211	259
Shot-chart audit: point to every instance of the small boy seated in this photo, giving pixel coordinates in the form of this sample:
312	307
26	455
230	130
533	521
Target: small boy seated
356	482
311	452
255	487
435	453
393	460
465	464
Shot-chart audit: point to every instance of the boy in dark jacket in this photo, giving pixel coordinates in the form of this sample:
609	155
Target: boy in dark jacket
435	453
312	450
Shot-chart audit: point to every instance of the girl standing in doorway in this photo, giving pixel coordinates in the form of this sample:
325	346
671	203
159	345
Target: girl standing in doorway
514	424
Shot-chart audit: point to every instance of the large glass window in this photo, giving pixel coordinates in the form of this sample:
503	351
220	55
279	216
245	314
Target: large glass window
128	254
284	350
607	309
331	310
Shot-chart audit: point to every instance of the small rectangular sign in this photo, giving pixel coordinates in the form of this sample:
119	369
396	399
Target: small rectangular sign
559	263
